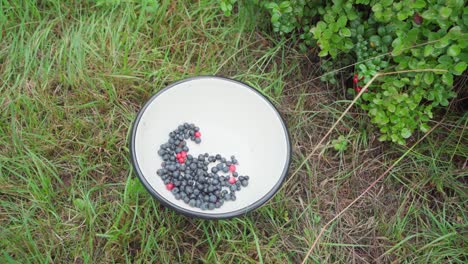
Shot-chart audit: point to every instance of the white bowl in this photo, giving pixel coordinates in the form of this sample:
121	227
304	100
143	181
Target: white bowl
234	119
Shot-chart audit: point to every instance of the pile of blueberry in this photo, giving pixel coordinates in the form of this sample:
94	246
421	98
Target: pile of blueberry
190	179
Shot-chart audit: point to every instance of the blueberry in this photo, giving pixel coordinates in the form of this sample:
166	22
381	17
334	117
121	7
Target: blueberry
198	140
192	202
244	183
177	196
211	206
212	198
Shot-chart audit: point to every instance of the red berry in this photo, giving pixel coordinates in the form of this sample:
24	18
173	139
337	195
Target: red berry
183	154
170	186
355	78
181	160
358	89
232	180
197	134
232	168
178	155
418	19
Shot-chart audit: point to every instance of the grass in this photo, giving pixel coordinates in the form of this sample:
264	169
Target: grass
73	76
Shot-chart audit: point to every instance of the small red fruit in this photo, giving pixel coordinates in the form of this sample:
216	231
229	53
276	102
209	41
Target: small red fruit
183	154
232	168
197	134
358	89
355	78
170	186
181	160
418	19
232	180
178	155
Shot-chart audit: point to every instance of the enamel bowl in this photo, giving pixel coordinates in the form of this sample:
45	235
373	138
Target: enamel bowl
234	119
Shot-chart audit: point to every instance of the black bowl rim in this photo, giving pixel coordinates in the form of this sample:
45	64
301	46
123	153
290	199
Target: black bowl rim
202	215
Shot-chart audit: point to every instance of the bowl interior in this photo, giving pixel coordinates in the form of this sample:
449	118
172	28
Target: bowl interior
234	119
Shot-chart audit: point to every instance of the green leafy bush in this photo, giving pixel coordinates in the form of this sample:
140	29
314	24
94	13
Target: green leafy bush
382	36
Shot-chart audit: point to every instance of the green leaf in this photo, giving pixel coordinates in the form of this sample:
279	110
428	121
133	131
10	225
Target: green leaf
445	60
323	53
428	50
377	8
397	45
345	32
445	12
459	68
424	128
275	17
418	4
429	14
341	22
447	78
383	138
398	83
453	50
429	77
405	133
442	43
285	5
271	5
386	3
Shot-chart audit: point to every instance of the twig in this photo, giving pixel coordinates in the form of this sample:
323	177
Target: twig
314	244
364	192
363	90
